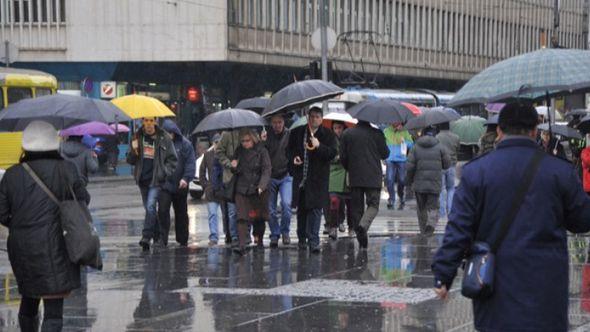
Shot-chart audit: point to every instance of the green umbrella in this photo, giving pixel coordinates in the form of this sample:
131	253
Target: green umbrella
469	129
530	75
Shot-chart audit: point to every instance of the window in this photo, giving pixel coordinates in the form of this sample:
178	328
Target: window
25	11
16	94
39	92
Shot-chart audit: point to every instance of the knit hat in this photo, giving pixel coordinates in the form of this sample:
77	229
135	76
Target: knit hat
40	136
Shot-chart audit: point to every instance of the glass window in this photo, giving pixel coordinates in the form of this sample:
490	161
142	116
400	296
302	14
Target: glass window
16	94
39	92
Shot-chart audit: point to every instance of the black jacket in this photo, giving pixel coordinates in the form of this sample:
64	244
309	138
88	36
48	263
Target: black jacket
427	160
318	175
165	159
36	246
185	153
277	149
361	152
81	156
253	170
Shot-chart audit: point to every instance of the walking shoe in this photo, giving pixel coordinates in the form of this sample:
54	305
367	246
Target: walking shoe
351	232
389	206
286	239
239	250
159	244
212	243
333	233
274	243
341	228
401	206
326	231
145	243
302	245
428	230
361	236
315	249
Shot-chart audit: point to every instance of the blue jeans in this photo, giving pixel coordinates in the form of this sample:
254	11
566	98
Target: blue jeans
448	186
284	188
149	196
233	220
395	173
308	226
212	209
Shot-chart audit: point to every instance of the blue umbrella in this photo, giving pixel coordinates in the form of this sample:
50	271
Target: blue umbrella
62	111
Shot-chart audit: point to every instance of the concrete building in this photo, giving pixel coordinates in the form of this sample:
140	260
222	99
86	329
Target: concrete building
240	48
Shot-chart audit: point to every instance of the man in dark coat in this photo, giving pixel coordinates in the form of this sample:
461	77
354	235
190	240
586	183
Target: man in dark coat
175	190
531	270
363	147
281	182
425	164
310	150
85	159
153	156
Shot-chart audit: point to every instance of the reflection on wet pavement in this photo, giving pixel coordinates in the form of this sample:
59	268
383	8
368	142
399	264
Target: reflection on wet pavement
386	288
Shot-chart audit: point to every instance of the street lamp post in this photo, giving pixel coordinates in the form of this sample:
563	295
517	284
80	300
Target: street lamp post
324	38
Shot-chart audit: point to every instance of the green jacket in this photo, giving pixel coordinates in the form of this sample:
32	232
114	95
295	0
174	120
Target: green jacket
338	175
225	151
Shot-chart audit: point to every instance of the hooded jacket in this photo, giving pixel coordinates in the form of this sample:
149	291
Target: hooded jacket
185	167
81	156
425	164
450	141
165	158
277	149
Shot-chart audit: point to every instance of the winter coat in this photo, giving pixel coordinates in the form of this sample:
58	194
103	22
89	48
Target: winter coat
531	270
399	143
318	174
449	141
165	159
585	156
185	167
253	170
362	150
36	246
338	175
211	176
277	149
225	151
487	142
425	164
81	156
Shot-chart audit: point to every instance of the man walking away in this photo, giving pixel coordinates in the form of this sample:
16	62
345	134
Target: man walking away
363	147
225	151
154	159
399	141
450	142
175	190
212	180
281	183
310	150
425	164
85	159
531	264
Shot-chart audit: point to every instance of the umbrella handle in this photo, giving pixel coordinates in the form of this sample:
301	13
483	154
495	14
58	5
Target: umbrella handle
309	146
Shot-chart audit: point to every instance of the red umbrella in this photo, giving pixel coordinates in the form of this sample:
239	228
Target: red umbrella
413	108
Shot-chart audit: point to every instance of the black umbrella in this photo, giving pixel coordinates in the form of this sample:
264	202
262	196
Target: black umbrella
62	111
560	130
381	111
431	118
256	104
228	119
581	112
300	94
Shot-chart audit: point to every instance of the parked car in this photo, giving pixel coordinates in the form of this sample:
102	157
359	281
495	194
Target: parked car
195	188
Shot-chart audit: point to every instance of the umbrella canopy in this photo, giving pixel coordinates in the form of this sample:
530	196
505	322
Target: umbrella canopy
494	107
561	130
492	120
138	107
584	125
348	120
469	129
529	75
121	128
89	128
413	108
432	117
228	119
300	94
256	104
62	111
580	112
381	111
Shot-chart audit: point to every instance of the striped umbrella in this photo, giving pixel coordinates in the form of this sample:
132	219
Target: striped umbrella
530	76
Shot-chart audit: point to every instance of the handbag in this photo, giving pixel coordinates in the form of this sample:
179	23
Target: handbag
479	268
81	239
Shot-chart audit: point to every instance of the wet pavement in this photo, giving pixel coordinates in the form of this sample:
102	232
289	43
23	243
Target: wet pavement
201	288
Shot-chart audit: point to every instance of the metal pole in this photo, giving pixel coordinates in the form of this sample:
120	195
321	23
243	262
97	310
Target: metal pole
555	37
7	53
324	38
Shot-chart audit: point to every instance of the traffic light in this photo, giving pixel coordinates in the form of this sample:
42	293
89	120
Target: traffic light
315	70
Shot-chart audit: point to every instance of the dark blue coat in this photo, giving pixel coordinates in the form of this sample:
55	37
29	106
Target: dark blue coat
186	168
531	277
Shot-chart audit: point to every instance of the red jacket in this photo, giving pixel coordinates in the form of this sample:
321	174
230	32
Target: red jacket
586	168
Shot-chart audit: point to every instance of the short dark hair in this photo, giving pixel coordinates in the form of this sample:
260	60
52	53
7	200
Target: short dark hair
518	118
316	110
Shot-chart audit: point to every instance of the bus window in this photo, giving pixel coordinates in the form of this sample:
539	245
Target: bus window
40	92
16	94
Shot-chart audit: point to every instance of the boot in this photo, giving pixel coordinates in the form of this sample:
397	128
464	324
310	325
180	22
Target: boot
243	236
28	324
52	325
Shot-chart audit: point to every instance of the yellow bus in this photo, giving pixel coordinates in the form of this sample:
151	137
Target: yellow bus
17	84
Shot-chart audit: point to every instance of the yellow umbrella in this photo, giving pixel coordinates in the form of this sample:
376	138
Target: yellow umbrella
138	106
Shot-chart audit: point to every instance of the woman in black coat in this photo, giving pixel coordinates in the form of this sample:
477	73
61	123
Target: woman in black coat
36	246
252	167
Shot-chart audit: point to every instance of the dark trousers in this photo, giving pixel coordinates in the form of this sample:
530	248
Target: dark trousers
225	219
358	197
308	223
52	314
178	201
428	206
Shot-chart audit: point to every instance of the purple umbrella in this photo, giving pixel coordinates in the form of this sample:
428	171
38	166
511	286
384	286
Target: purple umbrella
494	107
121	128
89	128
